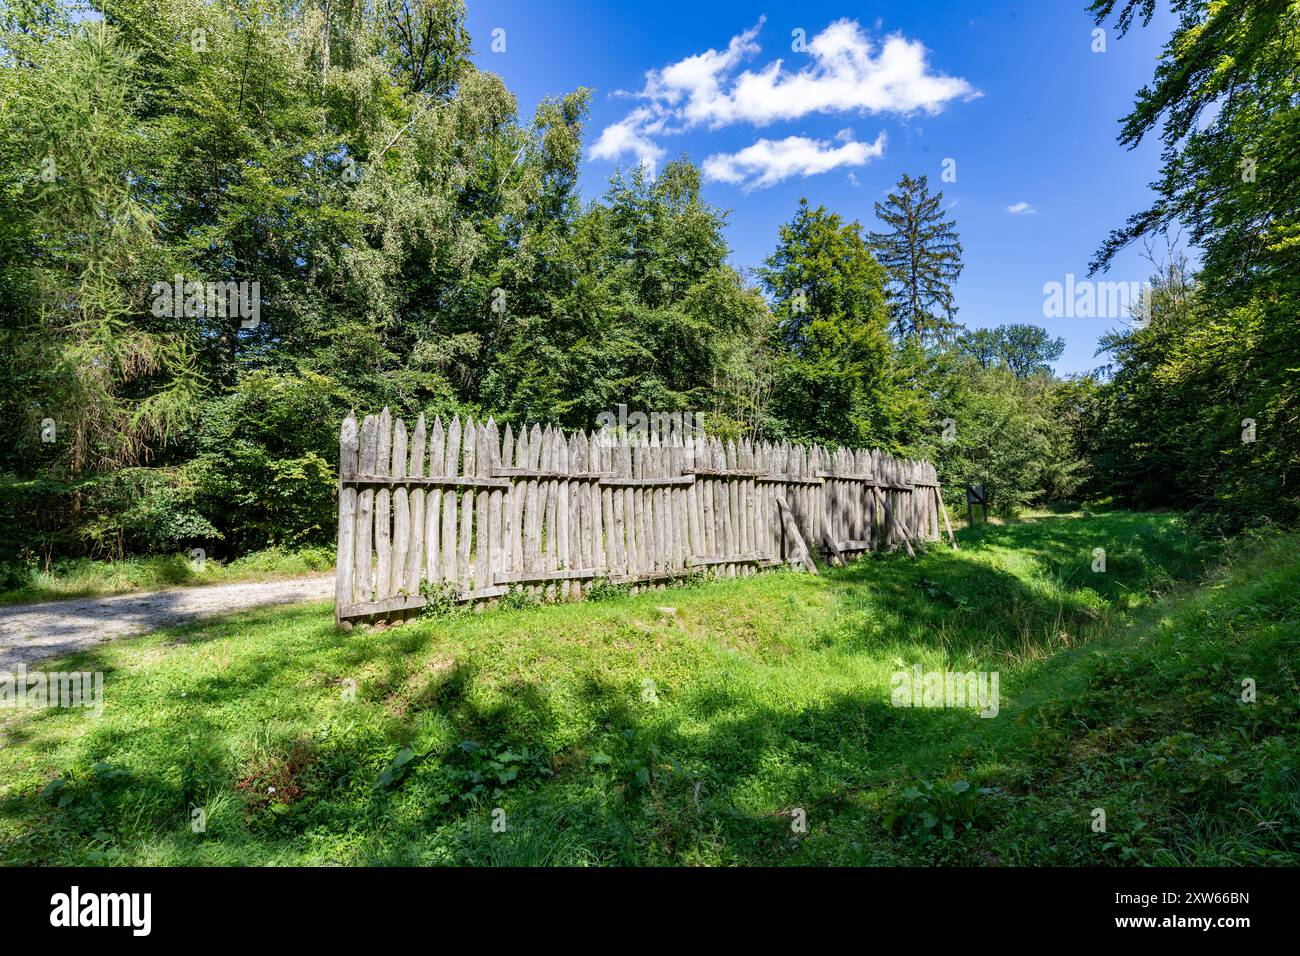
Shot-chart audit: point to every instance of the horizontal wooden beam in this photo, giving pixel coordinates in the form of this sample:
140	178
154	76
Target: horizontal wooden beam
872	482
399	602
503	472
504	479
754	558
457	482
413	602
527	577
727	472
685	480
780	480
831	476
649	576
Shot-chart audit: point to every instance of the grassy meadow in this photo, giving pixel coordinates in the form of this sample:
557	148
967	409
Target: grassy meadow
737	722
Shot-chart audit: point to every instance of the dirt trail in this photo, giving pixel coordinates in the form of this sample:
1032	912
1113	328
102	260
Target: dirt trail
29	632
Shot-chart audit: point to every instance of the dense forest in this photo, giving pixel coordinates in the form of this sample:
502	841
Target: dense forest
385	228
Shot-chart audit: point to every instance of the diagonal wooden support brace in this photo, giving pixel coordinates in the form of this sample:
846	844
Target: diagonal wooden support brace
801	556
902	528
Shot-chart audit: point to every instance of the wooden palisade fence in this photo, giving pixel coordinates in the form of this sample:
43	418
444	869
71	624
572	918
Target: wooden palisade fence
475	511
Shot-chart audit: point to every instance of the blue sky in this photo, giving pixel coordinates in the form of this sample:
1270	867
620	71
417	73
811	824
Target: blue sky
1013	92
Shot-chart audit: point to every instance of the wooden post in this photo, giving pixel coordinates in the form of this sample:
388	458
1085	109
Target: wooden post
415	551
343	577
383	509
362	566
451	468
401	512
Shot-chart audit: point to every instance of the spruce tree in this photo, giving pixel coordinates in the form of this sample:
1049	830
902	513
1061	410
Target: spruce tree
922	256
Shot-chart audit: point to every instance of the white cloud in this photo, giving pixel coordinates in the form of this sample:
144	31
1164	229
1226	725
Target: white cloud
843	71
1021	209
767	162
631	135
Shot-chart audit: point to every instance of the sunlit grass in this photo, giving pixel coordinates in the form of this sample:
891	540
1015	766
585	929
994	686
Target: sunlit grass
685	725
91	578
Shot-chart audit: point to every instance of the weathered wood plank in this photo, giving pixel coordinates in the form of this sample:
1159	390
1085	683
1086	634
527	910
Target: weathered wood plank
483	451
562	538
363	567
600	553
561	575
450	509
508	530
464	569
495	525
433	505
894	524
938	493
415	547
344	579
631	555
828	538
461	482
383	510
580	461
401	512
677	482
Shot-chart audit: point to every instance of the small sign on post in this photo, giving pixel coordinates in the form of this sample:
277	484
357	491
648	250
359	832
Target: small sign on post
976	495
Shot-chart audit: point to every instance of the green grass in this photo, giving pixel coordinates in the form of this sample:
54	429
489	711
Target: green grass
613	732
85	577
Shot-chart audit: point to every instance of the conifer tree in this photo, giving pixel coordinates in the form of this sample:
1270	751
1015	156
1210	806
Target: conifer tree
922	256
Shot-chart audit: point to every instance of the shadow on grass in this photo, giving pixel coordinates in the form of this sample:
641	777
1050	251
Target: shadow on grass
705	780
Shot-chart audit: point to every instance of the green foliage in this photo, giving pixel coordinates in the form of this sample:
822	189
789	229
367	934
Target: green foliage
603	589
417	243
1024	349
476	772
520	598
986	425
922	255
635	305
1195	413
441	599
832	347
1174	424
927	811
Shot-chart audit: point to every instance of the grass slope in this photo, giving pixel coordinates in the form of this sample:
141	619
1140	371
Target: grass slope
85	577
617	732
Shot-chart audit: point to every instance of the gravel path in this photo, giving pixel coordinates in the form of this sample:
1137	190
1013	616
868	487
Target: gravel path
29	632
